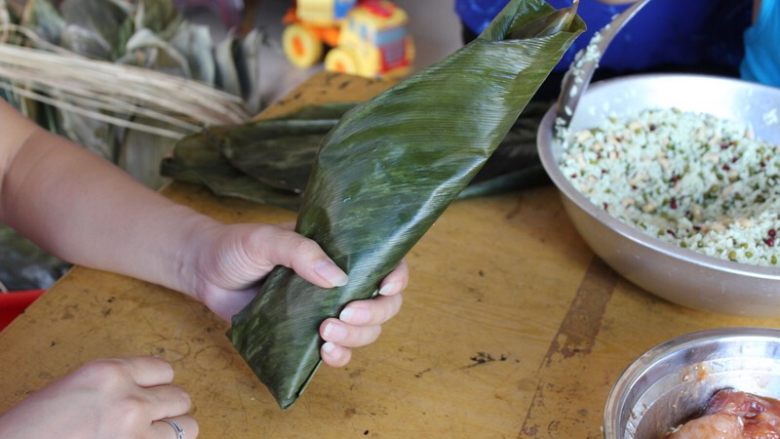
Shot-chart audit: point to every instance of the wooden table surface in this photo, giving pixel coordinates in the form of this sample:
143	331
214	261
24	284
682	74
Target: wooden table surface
510	328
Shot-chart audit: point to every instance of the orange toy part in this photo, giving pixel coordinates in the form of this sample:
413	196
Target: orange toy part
327	34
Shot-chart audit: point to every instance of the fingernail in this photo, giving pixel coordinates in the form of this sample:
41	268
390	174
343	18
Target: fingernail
387	288
329	347
334	332
331	273
355	316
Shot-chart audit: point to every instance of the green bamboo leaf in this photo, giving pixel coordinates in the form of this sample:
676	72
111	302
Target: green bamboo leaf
383	176
197	159
515	154
260	150
227	182
281	153
277	153
524	178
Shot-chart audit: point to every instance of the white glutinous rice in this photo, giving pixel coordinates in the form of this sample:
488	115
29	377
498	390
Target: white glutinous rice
690	179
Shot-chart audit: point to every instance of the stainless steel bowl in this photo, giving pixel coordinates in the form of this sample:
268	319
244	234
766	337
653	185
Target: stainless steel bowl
676	274
672	382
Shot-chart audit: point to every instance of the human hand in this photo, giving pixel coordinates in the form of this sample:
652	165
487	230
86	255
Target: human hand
105	399
230	259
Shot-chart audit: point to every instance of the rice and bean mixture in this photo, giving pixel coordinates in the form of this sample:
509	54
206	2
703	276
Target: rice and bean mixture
690	179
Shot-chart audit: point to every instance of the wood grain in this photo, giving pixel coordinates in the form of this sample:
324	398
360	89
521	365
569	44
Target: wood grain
510	328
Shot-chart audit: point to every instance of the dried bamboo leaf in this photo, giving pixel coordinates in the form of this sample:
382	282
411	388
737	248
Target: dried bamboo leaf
7	17
85	42
15	7
384	175
194	42
44	19
227	74
24	266
98	137
141	153
249	63
159	16
146	49
93	27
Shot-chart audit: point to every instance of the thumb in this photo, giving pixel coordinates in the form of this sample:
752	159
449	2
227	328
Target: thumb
292	250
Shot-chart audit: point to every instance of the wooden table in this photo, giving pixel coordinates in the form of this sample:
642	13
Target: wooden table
510	328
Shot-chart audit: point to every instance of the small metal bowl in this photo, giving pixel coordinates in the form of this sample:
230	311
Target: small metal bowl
674	273
673	381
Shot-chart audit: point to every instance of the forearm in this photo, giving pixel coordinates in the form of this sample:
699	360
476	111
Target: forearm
84	210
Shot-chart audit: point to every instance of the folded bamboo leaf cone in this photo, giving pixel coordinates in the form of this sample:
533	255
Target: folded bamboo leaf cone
387	171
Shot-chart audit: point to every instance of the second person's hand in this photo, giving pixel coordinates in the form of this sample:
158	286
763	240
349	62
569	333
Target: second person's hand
105	399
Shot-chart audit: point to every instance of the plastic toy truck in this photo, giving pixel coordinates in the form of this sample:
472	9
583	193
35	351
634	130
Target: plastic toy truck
367	37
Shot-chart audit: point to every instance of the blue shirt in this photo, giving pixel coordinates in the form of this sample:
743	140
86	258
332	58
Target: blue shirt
762	46
666	33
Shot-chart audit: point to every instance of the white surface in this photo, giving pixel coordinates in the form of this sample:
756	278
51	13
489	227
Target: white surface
433	23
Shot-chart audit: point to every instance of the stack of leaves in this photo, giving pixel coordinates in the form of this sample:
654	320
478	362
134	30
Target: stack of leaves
387	171
24	266
124	78
266	161
269	161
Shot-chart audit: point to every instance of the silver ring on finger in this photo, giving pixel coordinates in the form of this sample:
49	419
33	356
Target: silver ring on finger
176	428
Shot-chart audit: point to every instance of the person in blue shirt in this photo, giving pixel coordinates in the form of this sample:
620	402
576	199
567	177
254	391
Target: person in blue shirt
762	55
693	36
704	36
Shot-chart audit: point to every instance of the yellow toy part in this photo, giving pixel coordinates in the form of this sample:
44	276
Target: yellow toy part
301	46
324	12
342	61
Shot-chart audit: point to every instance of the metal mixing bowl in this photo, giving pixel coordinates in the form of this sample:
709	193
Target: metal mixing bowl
674	273
673	382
